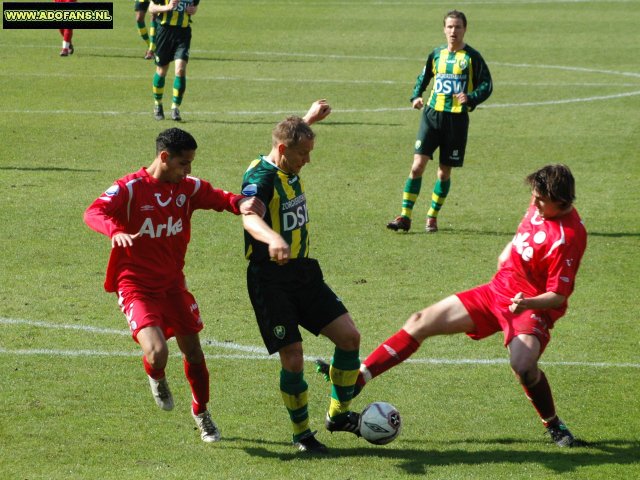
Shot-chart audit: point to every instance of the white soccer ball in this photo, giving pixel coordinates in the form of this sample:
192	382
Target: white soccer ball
380	423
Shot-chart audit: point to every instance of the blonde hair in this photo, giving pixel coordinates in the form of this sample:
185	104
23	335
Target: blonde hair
291	131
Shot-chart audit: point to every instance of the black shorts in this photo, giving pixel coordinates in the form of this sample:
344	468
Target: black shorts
141	6
444	130
172	43
285	297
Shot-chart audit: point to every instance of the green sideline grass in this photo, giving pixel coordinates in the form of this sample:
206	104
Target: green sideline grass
74	404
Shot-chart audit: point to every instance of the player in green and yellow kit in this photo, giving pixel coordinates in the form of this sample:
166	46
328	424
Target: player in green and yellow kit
141	7
286	286
461	81
173	41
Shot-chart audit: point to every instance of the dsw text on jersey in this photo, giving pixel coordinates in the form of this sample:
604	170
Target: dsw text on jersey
294	213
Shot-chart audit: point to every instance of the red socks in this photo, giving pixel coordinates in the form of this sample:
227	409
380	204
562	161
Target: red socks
156	374
198	376
541	398
390	353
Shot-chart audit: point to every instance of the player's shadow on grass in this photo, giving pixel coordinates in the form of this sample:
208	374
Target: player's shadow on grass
50	169
418	461
494	233
419	230
613	234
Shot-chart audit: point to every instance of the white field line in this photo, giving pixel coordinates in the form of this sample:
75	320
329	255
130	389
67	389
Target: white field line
335	111
259	353
223	78
346	57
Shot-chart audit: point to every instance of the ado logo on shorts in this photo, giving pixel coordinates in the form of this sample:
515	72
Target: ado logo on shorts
279	332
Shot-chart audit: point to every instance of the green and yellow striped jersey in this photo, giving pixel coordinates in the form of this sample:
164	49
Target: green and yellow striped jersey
287	213
178	17
463	71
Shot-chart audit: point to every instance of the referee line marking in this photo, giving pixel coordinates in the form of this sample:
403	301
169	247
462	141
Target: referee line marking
258	353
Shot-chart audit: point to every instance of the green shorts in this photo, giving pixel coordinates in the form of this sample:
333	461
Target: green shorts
444	130
285	297
172	43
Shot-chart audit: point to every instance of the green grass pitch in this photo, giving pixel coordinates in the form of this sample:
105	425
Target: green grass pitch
74	401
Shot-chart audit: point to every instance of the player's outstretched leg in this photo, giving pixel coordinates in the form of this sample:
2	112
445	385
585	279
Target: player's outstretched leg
323	367
343	373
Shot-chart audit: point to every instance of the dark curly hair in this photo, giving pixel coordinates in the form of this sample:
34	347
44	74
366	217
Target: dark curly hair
175	141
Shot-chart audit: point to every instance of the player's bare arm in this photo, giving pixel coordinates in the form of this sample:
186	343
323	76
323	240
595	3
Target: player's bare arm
279	249
545	301
252	206
504	255
319	110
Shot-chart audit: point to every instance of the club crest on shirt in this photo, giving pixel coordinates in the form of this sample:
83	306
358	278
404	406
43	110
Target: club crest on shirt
181	199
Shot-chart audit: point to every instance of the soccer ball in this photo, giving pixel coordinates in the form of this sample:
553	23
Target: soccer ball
380	423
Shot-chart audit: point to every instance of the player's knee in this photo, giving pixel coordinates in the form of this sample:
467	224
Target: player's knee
158	356
418	326
194	356
417	169
292	358
526	371
350	342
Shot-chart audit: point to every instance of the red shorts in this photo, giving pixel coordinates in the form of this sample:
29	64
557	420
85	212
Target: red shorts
489	311
174	311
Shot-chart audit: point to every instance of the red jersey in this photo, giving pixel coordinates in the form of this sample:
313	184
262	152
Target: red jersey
545	256
161	213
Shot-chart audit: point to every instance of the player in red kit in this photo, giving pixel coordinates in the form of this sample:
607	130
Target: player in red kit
536	276
67	35
147	216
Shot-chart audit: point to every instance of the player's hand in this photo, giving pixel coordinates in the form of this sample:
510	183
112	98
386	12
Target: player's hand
462	98
517	305
252	206
123	240
192	9
279	250
319	110
417	103
172	5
